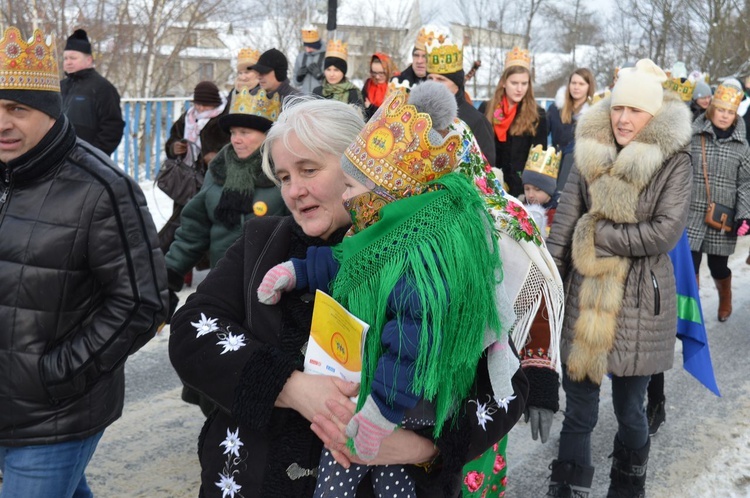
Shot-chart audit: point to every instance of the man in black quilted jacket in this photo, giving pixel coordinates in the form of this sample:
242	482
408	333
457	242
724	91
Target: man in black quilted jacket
83	281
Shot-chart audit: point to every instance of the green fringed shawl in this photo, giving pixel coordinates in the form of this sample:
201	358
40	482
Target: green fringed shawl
443	236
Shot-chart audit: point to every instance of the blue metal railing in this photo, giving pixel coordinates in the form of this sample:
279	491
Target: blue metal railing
147	125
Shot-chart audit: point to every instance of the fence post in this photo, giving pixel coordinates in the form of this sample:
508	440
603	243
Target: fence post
147	140
126	152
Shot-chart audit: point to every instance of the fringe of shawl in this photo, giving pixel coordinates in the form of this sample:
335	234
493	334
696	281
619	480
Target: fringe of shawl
443	236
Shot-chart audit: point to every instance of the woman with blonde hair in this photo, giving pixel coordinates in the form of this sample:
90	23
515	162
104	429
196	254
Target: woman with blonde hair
519	123
570	103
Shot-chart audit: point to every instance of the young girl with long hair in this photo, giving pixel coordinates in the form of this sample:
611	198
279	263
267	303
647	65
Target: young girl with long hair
519	123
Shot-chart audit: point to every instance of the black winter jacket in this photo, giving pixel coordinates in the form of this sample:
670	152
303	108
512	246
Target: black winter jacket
479	125
244	377
92	104
83	286
511	155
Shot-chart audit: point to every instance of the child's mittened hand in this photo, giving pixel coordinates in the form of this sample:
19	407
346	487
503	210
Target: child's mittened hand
280	278
368	428
743	228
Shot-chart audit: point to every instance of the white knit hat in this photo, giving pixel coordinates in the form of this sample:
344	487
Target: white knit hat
640	87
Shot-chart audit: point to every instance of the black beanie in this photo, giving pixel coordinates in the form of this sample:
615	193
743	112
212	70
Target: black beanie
338	63
79	42
459	78
272	60
314	45
207	93
49	103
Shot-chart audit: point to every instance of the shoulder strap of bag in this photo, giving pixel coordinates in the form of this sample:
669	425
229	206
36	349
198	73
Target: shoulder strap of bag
705	168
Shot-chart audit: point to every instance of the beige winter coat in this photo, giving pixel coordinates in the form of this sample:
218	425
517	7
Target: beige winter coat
620	214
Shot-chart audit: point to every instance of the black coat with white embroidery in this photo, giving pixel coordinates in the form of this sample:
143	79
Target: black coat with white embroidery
240	353
83	286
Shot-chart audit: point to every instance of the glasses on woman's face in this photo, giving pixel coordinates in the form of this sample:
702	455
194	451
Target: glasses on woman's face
375	74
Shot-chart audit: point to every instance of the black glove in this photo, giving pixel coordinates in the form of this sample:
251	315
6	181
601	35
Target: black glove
315	71
175	281
173	302
301	73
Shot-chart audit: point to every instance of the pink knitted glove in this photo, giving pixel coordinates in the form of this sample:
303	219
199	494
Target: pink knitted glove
280	278
743	229
367	428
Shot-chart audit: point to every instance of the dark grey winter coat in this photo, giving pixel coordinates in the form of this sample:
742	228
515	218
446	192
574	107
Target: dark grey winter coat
728	166
620	214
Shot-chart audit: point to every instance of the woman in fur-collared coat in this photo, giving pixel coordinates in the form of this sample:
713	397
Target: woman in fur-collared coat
623	209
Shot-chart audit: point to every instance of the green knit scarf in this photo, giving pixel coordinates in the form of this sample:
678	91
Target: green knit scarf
239	179
442	236
339	91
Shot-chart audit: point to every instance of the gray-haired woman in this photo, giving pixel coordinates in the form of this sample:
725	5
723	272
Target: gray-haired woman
247	357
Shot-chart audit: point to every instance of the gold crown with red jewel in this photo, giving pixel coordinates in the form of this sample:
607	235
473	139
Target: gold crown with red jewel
257	105
444	56
398	147
518	57
727	96
28	65
337	48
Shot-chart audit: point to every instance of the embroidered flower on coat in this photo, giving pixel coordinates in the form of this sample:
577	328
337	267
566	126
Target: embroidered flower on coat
232	443
227	486
503	402
484	412
232	342
205	325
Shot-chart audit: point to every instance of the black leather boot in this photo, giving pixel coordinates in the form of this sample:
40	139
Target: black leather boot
570	480
628	474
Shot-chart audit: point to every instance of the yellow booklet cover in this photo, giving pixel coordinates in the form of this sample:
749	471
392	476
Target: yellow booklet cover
336	341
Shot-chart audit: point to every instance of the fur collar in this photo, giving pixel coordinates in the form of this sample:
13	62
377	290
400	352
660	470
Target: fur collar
597	153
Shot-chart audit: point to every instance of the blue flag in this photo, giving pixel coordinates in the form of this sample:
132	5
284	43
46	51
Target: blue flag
691	330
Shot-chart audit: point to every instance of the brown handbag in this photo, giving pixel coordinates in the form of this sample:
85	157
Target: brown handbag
718	216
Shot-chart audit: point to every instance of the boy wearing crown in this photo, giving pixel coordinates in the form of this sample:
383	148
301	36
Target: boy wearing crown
539	179
419	268
308	67
445	65
90	101
84	282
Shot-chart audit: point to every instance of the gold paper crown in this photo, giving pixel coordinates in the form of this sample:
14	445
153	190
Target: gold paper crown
310	34
727	97
248	57
518	57
424	38
444	57
545	162
684	90
28	65
337	48
256	105
600	96
395	149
